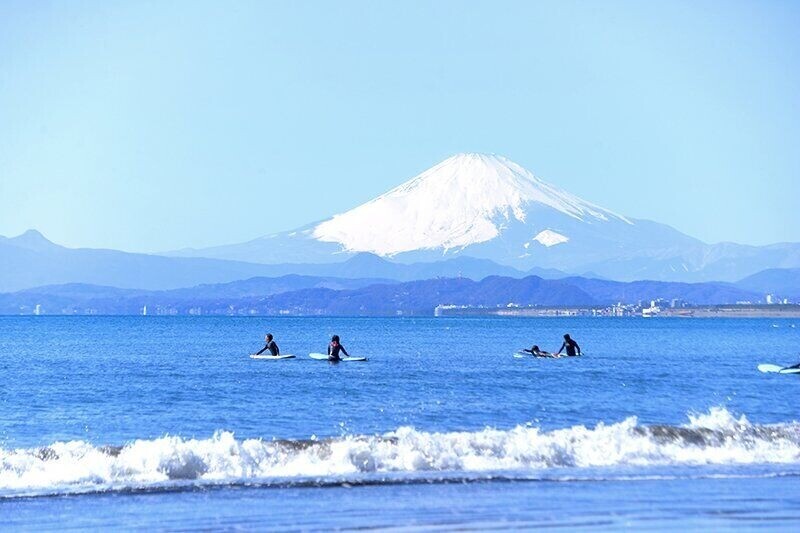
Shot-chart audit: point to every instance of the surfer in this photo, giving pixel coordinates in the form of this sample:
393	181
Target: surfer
334	348
536	352
572	347
271	346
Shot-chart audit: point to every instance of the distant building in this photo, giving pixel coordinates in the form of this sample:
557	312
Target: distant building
770	299
37	310
653	310
440	309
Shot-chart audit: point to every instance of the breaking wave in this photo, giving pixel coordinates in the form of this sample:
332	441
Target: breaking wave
403	455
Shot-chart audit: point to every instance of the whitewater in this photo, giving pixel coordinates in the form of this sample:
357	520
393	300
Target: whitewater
715	438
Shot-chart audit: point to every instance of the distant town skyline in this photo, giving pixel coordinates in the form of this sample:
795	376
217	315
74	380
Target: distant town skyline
152	127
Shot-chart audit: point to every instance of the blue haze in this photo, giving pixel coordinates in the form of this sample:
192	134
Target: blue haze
151	126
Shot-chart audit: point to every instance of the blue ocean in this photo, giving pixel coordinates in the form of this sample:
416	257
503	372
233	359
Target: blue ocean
165	422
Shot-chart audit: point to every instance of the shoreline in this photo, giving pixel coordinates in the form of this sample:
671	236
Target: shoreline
628	311
695	312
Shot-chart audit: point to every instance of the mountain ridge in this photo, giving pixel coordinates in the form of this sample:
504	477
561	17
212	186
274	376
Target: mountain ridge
528	227
488	207
30	260
781	283
308	295
461	201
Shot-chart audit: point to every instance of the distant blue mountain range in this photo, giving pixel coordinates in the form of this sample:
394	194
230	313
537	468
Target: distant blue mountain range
780	282
471	216
35	271
309	295
30	260
488	207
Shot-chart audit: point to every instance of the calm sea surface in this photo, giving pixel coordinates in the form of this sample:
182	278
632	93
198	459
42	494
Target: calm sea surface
166	422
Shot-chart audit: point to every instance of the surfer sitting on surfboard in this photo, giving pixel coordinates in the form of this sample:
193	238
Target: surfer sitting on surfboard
334	348
271	346
570	345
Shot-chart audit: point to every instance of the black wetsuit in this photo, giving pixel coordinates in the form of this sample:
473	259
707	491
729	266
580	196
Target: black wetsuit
333	351
272	347
571	347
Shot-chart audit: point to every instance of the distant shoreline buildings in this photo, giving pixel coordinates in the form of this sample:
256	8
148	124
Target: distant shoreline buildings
627	310
650	310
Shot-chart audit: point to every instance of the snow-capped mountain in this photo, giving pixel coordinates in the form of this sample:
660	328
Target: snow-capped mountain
486	206
466	199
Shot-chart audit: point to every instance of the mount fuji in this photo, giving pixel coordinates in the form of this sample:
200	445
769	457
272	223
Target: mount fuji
488	207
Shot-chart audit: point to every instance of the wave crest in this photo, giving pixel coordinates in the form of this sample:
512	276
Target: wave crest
716	437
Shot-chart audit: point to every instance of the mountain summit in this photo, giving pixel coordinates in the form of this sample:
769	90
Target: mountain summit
30	240
464	200
488	207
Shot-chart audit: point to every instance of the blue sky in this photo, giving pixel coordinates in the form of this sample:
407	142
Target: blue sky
150	126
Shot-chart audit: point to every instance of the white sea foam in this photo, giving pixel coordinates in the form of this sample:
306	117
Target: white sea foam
716	437
717	418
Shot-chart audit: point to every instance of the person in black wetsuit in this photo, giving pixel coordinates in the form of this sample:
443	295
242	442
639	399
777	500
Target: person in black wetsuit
572	347
271	346
536	352
334	348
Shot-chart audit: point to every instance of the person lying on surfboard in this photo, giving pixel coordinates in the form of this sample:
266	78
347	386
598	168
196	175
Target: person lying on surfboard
536	352
271	346
570	345
334	348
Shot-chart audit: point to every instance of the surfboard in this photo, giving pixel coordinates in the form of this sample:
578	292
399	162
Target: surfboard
324	357
777	369
264	357
522	355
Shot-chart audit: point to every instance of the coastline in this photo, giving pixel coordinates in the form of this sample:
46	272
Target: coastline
620	311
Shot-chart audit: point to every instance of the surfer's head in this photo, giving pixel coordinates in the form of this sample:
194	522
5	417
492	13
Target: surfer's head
566	336
269	337
535	348
335	338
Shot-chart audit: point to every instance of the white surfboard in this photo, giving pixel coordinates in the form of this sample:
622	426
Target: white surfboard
777	369
265	357
522	355
324	357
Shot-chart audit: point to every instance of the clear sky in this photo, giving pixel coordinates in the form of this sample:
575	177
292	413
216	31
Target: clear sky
151	126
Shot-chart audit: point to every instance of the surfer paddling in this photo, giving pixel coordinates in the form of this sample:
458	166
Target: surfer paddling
571	346
271	346
536	352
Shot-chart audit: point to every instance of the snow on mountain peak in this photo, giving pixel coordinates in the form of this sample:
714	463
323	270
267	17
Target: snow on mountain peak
550	238
465	199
